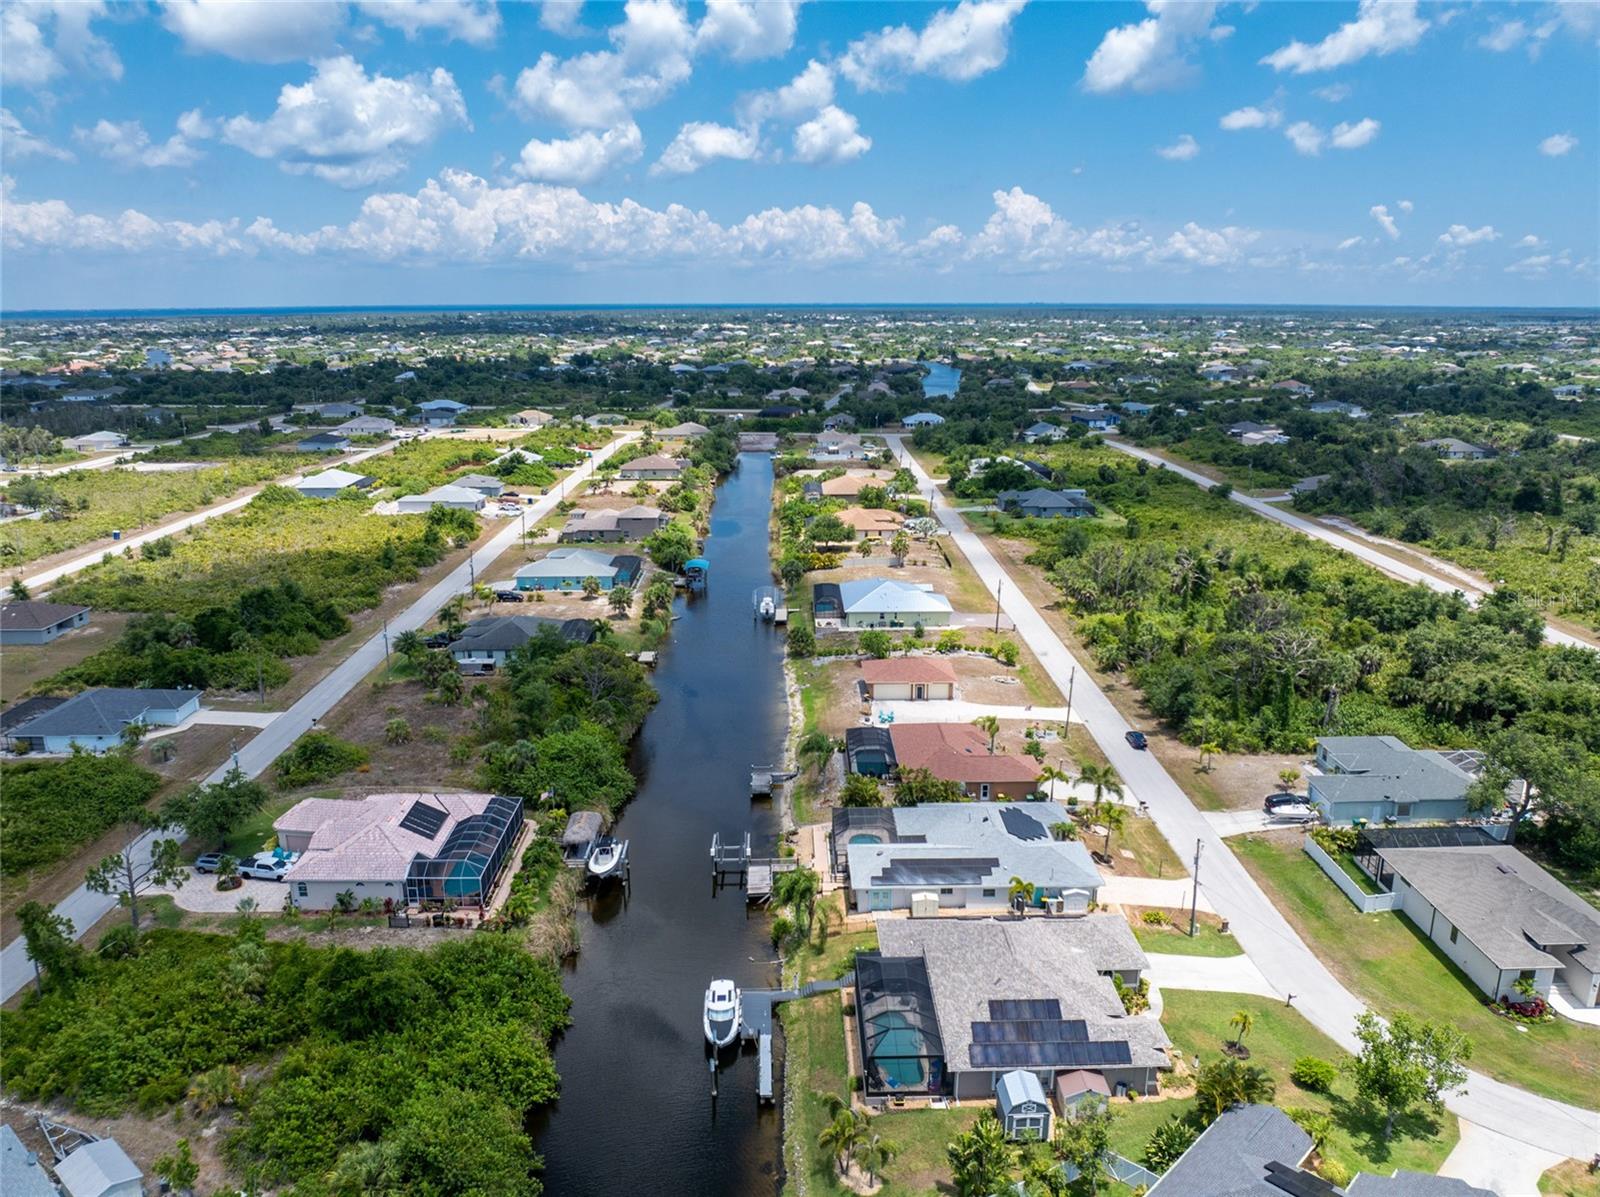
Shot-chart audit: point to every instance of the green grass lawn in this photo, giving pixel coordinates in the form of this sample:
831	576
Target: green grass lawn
1175	941
251	835
1571	1179
1389	963
1198	1024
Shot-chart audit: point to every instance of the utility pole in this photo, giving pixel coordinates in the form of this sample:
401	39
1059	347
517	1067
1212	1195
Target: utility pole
1072	682
386	644
1000	584
1194	901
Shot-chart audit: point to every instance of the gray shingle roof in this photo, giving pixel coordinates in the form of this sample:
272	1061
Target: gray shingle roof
103	712
1377	768
1412	1184
973	961
1501	901
503	633
1231	1158
32	615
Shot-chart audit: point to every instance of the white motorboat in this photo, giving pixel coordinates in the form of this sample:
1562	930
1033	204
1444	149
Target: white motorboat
607	858
768	607
721	1013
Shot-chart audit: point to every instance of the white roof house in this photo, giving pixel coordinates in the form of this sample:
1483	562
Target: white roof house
886	596
922	418
440	496
100	1169
330	482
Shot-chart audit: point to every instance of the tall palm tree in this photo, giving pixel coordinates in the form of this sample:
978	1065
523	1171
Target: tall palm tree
842	1136
876	1154
1050	776
1104	780
1022	889
1112	817
1243	1020
989	726
982	1160
1208	750
798	889
409	645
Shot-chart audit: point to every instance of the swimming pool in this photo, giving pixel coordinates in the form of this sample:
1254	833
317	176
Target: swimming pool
898	1052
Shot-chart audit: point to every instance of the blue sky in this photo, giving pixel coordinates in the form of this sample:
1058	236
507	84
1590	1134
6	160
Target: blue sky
202	153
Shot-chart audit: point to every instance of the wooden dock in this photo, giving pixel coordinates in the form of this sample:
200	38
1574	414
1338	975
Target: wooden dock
734	864
764	779
755	1024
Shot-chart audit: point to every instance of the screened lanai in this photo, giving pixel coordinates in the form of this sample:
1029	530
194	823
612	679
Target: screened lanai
466	867
901	1049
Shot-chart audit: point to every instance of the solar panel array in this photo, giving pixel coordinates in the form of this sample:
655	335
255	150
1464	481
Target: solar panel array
1026	1033
423	820
1021	825
1297	1183
937	871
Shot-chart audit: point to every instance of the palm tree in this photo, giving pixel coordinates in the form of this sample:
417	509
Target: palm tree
864	549
1244	1021
843	1135
817	747
620	599
1112	817
1223	1084
1208	750
1287	778
798	888
989	726
876	1154
982	1160
1020	889
1103	778
899	547
409	645
591	588
1050	776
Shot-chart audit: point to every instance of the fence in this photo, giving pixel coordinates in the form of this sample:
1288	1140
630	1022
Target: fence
1121	1168
1364	902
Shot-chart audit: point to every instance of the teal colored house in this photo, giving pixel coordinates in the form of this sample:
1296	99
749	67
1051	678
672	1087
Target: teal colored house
566	568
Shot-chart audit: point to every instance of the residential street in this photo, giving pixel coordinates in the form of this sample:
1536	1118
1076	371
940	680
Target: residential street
85	908
1284	960
1393	566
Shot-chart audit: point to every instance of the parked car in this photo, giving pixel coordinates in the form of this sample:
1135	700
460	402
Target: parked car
1136	740
207	862
437	640
264	868
1290	808
508	596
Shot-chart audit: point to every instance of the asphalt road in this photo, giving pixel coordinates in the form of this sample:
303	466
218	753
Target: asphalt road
1274	946
1372	555
85	908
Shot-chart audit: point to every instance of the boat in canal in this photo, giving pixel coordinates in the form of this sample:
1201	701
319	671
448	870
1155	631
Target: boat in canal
721	1013
608	859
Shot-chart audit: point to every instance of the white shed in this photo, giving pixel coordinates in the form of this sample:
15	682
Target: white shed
100	1169
1024	1109
440	496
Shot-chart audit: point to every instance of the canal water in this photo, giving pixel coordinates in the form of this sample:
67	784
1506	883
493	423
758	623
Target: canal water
941	381
636	1113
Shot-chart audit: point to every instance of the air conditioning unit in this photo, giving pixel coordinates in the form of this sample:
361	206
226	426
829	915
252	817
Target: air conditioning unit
925	906
1055	905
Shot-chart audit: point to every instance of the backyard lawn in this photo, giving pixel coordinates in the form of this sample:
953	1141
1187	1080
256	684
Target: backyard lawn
1173	940
1198	1024
1385	960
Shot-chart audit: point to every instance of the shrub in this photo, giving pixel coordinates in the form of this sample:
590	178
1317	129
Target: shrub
802	641
1005	651
51	807
1314	1074
317	756
1168	1141
861	790
876	643
950	641
397	731
1155	918
1334	1173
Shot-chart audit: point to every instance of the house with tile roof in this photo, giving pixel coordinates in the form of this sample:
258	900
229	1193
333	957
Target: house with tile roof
908	679
959	752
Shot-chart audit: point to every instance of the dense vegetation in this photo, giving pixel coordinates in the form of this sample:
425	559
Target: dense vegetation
84	505
390	1070
53	806
418	466
1247	636
334	549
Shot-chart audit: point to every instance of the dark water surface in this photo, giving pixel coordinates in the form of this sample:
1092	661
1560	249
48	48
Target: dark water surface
941	380
636	1115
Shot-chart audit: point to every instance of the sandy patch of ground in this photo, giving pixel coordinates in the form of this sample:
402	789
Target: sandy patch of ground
23	666
144	1139
422	763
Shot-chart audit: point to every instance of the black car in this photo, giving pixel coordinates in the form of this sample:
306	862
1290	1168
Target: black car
508	596
1136	739
437	640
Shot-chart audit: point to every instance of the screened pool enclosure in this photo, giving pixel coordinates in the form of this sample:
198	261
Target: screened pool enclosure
901	1049
469	861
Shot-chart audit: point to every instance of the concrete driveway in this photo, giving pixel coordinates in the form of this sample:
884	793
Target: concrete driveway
1213	974
1494	1161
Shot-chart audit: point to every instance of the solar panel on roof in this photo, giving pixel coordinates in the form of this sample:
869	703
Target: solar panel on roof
939	871
1021	825
1297	1183
423	820
1007	1009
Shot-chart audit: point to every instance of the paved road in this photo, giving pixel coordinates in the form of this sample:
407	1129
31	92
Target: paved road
85	908
1283	958
1356	547
45	577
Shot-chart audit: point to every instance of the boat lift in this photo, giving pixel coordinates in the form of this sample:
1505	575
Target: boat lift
696	573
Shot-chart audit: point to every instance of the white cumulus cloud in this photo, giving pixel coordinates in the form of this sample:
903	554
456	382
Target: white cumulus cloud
476	22
1185	148
830	136
1334	93
1265	116
1507	35
1347	136
283	31
17	142
1381	27
1151	54
1305	137
1557	144
42	40
561	16
581	158
126	144
603	88
700	142
1460	235
957	43
1380	213
348	128
746	30
808	92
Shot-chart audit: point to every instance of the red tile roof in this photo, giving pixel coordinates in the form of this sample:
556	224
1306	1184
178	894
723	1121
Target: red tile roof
908	669
956	752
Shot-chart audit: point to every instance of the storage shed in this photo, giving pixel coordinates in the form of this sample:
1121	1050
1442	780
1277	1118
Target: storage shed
100	1169
1024	1109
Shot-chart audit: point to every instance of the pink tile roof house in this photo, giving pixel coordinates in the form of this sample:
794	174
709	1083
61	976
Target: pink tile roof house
371	839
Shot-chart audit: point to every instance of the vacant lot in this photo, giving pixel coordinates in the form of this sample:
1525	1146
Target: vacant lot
1385	960
437	752
24	665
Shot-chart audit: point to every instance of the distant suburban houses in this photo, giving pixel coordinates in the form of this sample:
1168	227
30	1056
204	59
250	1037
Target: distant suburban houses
655	467
440	496
613	524
331	483
1040	503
